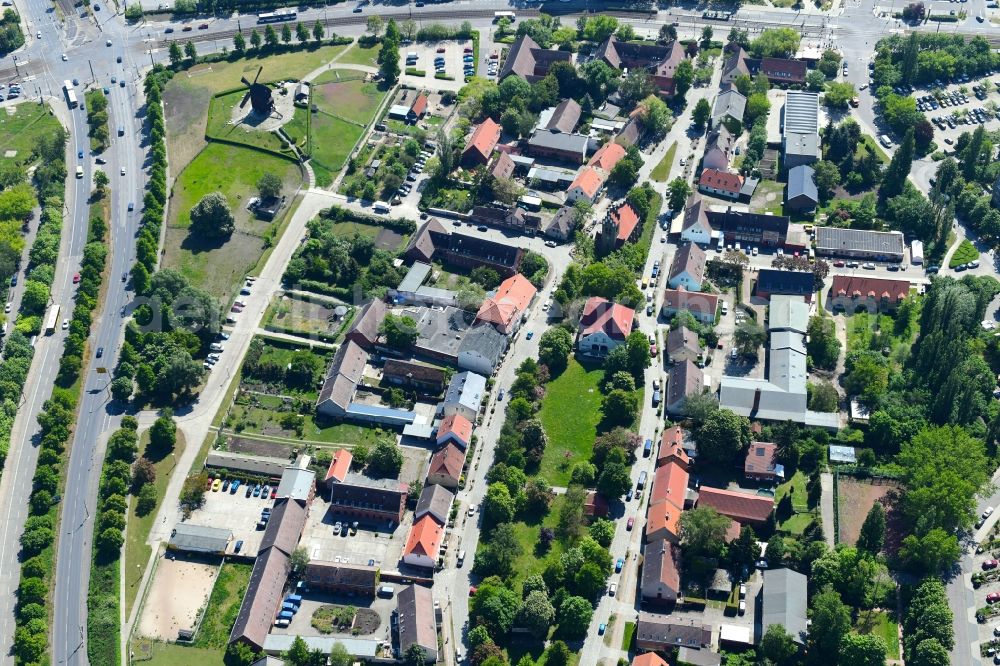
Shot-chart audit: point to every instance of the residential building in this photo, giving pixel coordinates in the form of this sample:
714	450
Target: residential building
660	633
505	308
683	380
784	71
696	227
851	293
418	108
341	578
595	506
721	183
562	224
363	498
645	659
702	307
482	142
199	539
660	61
342	380
364	330
481	349
672	448
265	592
750	229
682	345
435	501
744	508
446	466
606	157
603	326
667	497
563	118
465	394
661	580
529	61
801	193
424	541
414	375
720	146
688	268
455	428
735	64
774	281
417	621
784	602
631	132
503	167
860	244
340	465
433	242
500	216
759	464
572	148
729	107
586	186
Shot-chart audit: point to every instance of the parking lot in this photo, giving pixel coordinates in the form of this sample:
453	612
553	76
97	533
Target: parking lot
301	624
382	544
444	57
234	512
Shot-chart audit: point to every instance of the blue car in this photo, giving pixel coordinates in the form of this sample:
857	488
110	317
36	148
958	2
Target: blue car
256	490
619	564
79	154
530	335
601	629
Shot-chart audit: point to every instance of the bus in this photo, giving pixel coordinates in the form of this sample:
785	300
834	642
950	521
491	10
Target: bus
277	16
507	15
52	320
70	94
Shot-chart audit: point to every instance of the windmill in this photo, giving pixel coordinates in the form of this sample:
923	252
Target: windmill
259	96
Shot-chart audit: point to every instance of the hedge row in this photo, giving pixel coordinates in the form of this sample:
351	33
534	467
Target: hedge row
400	224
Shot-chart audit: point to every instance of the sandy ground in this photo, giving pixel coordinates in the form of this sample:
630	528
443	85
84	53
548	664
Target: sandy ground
856	500
180	590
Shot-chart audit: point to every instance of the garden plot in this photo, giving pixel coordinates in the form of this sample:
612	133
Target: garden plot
855	499
315	317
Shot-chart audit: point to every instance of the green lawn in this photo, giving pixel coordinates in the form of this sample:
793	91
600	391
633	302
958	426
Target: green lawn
662	170
220	126
223	606
19	131
361	55
769	197
171	654
881	624
628	636
799	497
964	253
344	93
797	524
571	411
868	143
331	141
137	551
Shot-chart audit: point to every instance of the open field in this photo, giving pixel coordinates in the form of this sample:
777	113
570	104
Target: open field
187	97
171	654
19	131
223	605
331	140
964	253
220	125
346	94
261	415
178	591
881	624
855	500
769	197
571	411
310	318
361	55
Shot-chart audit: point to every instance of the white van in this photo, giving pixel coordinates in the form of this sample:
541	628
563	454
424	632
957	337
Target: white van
79	171
885	140
461	557
381	207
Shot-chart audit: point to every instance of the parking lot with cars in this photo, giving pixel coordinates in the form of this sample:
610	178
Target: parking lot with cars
453	60
237	506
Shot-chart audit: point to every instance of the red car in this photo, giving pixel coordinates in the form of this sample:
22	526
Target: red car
838	263
274	493
652	350
993	597
76	278
631	523
990	564
472	590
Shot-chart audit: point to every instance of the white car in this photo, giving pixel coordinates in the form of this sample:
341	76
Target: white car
663	238
683	162
65	324
472	510
613	590
123	171
64	58
988	512
8	307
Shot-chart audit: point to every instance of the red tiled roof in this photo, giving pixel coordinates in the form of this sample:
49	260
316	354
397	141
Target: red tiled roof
670	484
741	507
599	314
419	105
721	180
672	447
448	461
484	139
510	300
425	538
649	659
626	219
664	516
339	466
607	156
595	504
897	290
457	426
587	180
693	301
760	458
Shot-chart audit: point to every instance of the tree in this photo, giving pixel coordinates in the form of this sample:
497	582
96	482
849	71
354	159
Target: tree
872	536
777	646
614	480
339	656
863	650
701	113
838	94
146	501
319	32
286	33
538	613
299	560
297	653
620	408
554	348
822	343
656	116
776	43
898	170
176	55
400	331
602	531
143	472
374	24
255	38
388	56
190	51
163	434
706	36
831	621
723	435
100	179
678	192
386	459
757	106
816	81
748	337
636	86
212	218
269	185
929	652
744	551
416	655
826	176
498	505
575	614
703	532
683	77
301	33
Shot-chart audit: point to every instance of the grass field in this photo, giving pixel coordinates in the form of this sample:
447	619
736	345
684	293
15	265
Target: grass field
220	114
234	171
171	654
799	497
344	93
330	142
768	197
187	97
964	253
571	410
223	605
264	419
137	551
628	636
19	132
868	143
881	624
360	55
662	170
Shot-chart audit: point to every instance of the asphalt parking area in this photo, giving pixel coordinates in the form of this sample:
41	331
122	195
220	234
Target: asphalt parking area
379	543
234	512
447	57
301	624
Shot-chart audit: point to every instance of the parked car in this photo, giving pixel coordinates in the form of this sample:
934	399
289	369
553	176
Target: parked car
619	563
990	564
631	521
993	597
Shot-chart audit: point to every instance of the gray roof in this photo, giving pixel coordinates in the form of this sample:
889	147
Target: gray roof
296	483
684	379
344	375
415	276
435	500
680	338
564	117
568	143
284	528
484	339
199	538
832	239
801	112
691	259
843	454
729	103
551	175
671	630
263	596
802	182
687	655
785	602
357	647
242	462
417	622
696	213
466	389
802	143
788	312
562	222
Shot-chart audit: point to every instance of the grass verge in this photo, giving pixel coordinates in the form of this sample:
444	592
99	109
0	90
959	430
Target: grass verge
964	253
662	170
223	606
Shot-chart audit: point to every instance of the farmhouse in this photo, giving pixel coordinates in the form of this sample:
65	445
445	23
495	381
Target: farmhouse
446	465
529	61
603	326
661	578
481	144
505	308
744	508
688	268
683	380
